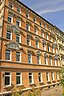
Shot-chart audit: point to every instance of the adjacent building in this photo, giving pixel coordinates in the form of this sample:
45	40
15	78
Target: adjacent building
29	49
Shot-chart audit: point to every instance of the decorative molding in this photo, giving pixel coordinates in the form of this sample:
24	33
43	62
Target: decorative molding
13	45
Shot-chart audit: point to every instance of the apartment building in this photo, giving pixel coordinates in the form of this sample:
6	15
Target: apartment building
29	54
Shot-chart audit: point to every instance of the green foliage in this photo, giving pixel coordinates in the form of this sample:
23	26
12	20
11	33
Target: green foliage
32	92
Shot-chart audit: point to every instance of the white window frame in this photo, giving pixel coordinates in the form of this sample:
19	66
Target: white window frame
9	77
27	15
45	58
40	75
18	20
39	59
48	48
20	57
19	10
27	27
19	36
37	46
34	19
30	58
47	36
51	61
40	23
10	55
20	78
42	34
57	76
11	18
48	76
55	62
36	31
11	4
58	62
32	79
28	38
52	74
8	31
53	50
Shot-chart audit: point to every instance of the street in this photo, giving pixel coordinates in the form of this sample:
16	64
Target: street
55	91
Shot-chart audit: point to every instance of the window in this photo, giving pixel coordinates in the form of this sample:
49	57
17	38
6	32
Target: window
27	15
18	10
10	19
48	48
47	36
7	80
50	61
57	76
37	43
38	59
36	31
31	78
45	61
9	35
18	78
44	46
27	27
28	41
58	62
40	23
44	26
55	62
18	38
52	76
42	34
40	77
34	19
29	58
18	23
18	56
10	5
53	50
47	76
8	54
51	39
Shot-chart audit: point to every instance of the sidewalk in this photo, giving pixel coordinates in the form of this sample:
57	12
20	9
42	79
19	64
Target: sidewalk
55	91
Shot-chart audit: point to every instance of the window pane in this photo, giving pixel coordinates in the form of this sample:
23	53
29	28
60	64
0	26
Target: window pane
7	54
17	38
7	80
17	56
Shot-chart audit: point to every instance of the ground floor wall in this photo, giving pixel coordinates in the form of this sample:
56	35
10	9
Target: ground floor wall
28	79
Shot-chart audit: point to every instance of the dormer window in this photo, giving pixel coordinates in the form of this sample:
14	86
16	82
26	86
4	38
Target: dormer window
27	15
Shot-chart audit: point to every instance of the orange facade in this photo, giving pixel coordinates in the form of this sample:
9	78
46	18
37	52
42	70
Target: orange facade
27	47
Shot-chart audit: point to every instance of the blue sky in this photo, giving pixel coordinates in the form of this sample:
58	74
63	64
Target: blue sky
51	10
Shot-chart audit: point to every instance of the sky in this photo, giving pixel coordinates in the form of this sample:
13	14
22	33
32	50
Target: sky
51	10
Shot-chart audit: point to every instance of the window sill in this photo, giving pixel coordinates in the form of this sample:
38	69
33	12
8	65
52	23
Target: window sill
10	86
32	84
49	82
19	85
53	81
41	83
